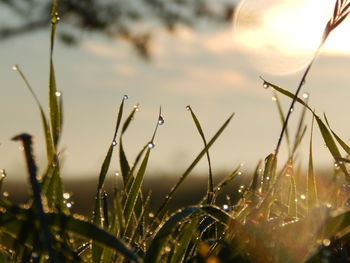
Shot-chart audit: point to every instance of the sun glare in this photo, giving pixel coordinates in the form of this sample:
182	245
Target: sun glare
281	36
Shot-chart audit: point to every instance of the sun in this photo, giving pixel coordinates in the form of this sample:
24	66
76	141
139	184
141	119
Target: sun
281	36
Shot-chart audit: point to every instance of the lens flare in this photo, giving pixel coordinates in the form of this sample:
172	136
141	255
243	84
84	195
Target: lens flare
280	36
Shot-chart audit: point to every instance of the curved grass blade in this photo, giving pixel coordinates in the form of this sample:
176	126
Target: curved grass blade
339	140
311	180
281	114
161	211
48	138
97	216
166	229
210	190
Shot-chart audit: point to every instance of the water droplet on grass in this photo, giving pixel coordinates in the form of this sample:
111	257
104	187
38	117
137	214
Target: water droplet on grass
117	173
306	95
125	97
151	145
274	98
326	242
160	120
15	67
266	86
58	93
66	196
188	107
302	197
114	143
225	207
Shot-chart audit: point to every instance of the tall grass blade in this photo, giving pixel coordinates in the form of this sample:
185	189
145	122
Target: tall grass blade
311	180
281	114
135	189
210	190
161	211
44	121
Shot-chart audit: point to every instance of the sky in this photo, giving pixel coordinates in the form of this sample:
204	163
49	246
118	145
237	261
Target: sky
206	70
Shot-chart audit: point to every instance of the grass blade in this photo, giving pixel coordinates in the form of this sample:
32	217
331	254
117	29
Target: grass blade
161	211
210	190
311	180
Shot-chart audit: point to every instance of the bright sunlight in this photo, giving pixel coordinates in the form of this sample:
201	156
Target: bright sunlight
280	37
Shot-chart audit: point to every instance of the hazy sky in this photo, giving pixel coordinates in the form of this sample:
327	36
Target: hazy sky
203	70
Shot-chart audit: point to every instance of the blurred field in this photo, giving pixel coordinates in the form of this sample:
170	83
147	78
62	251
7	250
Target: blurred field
83	190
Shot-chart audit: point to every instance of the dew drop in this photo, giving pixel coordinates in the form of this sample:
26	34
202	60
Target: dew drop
125	97
151	145
117	173
306	95
326	242
66	196
15	67
151	215
188	107
3	173
266	86
58	93
5	194
291	110
274	98
167	249
240	173
114	143
69	205
302	197
160	120
225	207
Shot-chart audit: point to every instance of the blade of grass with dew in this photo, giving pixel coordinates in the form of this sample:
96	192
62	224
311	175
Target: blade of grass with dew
255	185
124	164
47	132
327	137
345	147
184	241
269	171
332	147
311	180
292	204
281	114
166	229
134	201
210	188
135	189
54	107
161	211
97	216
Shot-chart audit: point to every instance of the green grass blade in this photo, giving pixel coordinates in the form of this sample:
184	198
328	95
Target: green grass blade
281	114
311	180
184	241
339	140
166	229
332	147
293	201
47	132
161	211
135	189
210	190
124	164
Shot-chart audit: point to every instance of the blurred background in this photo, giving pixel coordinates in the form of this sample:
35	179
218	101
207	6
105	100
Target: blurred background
169	53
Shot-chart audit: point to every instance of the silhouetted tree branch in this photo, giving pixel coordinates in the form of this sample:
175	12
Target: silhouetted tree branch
131	20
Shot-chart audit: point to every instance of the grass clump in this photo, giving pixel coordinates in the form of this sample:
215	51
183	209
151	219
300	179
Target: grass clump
281	215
